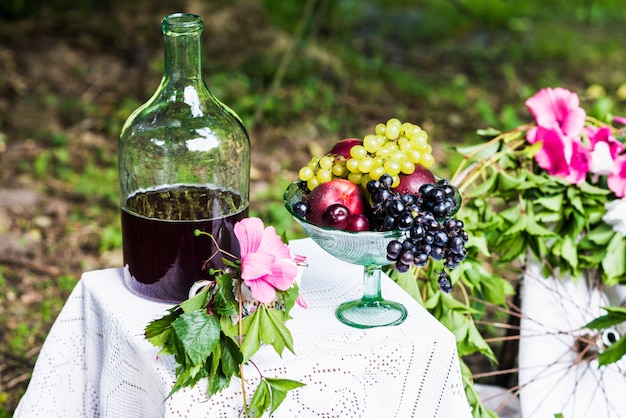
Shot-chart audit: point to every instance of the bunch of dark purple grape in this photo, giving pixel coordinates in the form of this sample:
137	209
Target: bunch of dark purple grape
427	218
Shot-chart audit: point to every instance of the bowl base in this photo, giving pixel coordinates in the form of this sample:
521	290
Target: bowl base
370	314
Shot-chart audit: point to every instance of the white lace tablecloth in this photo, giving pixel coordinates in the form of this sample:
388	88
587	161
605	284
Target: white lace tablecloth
96	363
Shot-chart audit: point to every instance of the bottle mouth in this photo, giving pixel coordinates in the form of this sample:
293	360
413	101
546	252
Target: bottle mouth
182	24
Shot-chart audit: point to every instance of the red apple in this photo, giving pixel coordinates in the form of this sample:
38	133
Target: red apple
358	222
343	147
338	191
411	183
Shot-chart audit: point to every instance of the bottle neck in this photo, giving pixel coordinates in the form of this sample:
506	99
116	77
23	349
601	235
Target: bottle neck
182	50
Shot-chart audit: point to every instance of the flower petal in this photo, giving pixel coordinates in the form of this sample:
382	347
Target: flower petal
249	232
617	179
557	108
262	291
256	265
283	275
272	244
552	157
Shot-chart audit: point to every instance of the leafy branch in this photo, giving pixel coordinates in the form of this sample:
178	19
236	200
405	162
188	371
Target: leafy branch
209	337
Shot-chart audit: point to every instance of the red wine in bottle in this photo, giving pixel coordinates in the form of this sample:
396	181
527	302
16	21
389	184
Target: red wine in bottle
162	254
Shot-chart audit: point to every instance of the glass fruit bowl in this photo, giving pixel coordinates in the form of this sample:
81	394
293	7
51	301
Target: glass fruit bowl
366	248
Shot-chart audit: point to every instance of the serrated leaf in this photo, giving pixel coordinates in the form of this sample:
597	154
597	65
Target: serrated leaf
261	399
231	356
279	389
197	334
252	342
273	331
158	331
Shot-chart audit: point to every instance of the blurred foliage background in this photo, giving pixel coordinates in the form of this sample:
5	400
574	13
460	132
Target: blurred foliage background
301	74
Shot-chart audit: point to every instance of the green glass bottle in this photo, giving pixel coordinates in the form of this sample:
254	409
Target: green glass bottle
184	164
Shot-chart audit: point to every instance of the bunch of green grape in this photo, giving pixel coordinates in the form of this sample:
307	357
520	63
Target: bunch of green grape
394	148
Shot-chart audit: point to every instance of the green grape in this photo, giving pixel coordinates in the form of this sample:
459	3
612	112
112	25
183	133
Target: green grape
392	130
306	173
396	181
427	160
355	177
339	170
380	129
376	172
371	143
358	151
366	178
412	132
352	165
392	167
324	175
312	183
326	162
366	164
414	156
407	166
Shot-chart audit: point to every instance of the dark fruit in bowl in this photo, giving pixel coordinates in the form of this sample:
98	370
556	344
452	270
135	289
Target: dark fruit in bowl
358	222
411	183
338	191
336	216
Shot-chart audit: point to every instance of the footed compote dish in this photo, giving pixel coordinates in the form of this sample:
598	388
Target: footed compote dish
365	248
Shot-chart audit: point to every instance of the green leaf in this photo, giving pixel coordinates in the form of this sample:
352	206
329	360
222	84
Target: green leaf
273	331
224	302
553	203
616	315
250	327
614	263
508	182
261	399
231	356
279	389
158	331
198	301
197	334
615	352
569	252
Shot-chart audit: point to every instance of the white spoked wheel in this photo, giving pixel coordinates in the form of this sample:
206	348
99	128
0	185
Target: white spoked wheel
557	367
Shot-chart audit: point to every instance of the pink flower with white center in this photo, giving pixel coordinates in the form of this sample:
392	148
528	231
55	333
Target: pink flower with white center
266	262
604	149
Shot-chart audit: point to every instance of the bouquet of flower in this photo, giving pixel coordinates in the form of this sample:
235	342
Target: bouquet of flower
216	331
554	189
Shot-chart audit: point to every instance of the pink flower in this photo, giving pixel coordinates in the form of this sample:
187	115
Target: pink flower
617	179
562	157
604	149
557	109
266	262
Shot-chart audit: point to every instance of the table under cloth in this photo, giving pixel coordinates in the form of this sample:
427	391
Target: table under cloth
95	361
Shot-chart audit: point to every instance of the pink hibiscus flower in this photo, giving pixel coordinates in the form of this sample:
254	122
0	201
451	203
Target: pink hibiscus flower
557	109
617	179
562	157
604	149
266	262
